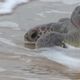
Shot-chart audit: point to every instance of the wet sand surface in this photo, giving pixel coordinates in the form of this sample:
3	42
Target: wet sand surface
20	63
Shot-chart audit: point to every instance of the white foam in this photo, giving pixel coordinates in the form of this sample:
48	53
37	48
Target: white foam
57	54
8	5
9	24
70	2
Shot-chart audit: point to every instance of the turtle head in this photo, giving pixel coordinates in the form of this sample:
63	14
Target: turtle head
32	35
75	17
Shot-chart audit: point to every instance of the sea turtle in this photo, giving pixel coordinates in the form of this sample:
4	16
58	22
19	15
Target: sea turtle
57	34
32	36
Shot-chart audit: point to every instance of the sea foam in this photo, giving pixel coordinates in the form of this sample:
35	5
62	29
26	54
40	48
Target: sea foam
7	6
58	55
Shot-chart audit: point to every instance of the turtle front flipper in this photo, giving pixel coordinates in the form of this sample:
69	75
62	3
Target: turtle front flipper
51	40
75	17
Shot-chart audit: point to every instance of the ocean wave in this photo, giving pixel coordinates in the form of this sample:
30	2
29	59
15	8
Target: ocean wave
70	2
8	42
7	6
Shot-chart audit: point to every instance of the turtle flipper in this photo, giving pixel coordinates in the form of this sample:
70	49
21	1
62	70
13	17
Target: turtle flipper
51	40
75	17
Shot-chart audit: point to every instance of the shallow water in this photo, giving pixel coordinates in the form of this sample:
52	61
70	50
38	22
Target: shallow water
21	63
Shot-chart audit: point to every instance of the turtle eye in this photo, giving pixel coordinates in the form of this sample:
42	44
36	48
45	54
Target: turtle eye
34	34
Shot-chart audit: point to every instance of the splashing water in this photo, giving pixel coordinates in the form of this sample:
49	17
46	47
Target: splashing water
8	5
